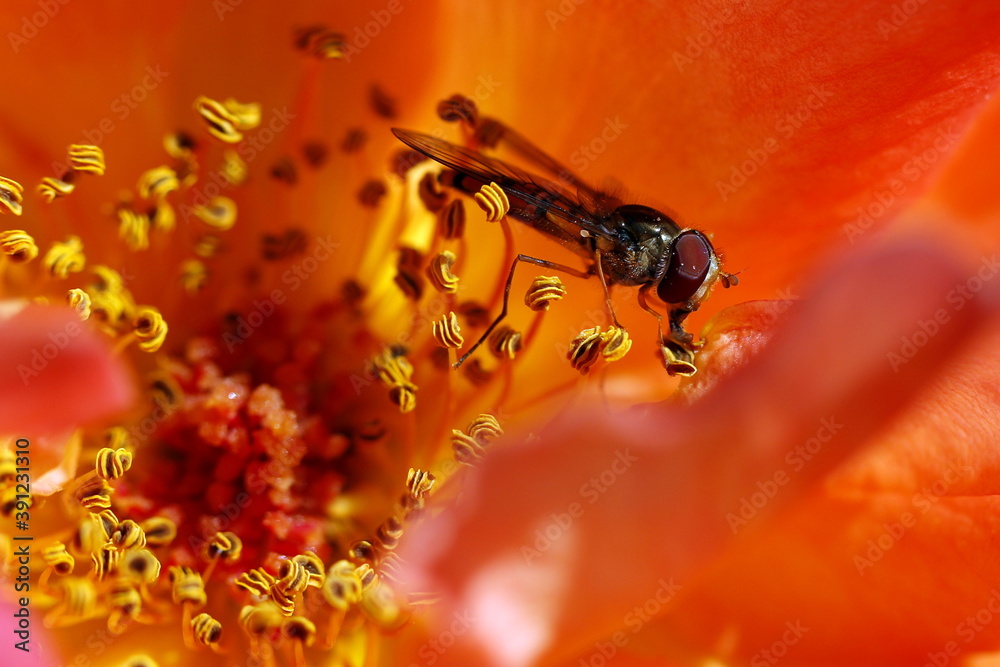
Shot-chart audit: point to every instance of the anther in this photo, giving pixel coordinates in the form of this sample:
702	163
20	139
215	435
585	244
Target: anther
225	120
458	108
194	275
257	581
301	632
128	535
105	561
58	559
314	566
87	158
64	258
678	360
149	328
371	193
403	397
158	182
224	546
17	244
585	349
219	214
207	631
188	590
133	228
113	463
140	565
493	200
465	448
124	604
543	291
484	429
504	343
341	589
447	332
234	167
79	602
94	495
615	343
11	196
160	531
431	194
51	188
79	301
207	246
439	272
320	42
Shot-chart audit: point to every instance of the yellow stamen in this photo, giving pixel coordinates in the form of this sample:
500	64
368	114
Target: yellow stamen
194	275
128	535
105	561
484	429
504	343
158	183
302	632
439	271
160	531
314	566
225	547
125	603
150	329
79	601
615	343
321	42
64	258
678	360
133	228
493	200
234	167
57	558
206	630
79	301
465	448
447	332
87	158
163	217
17	244
51	188
585	349
543	291
11	196
219	214
257	581
113	463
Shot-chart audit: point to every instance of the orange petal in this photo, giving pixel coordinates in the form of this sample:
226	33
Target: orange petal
568	536
57	373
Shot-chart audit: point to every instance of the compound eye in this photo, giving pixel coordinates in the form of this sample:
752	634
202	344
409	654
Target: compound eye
690	261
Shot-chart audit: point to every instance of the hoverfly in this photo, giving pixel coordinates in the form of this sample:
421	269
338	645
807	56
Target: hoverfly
623	244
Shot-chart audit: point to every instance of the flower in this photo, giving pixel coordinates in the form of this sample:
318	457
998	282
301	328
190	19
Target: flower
283	442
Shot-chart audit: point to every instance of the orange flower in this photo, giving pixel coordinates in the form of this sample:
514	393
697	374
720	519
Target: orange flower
226	216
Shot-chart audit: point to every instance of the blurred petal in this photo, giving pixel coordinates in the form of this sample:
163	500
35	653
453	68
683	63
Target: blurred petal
57	373
640	506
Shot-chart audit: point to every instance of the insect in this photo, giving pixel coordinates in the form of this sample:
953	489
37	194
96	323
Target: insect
621	243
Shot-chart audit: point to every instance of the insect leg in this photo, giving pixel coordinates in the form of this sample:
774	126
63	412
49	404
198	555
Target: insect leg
607	292
506	295
645	306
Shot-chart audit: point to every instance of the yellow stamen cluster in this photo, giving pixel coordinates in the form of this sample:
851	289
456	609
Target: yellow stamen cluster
447	332
206	629
592	344
439	272
493	200
17	244
543	291
219	214
227	120
470	446
396	372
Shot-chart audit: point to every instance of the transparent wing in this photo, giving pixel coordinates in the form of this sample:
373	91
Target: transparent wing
542	198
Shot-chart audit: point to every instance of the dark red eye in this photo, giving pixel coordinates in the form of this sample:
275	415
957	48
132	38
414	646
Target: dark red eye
690	260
